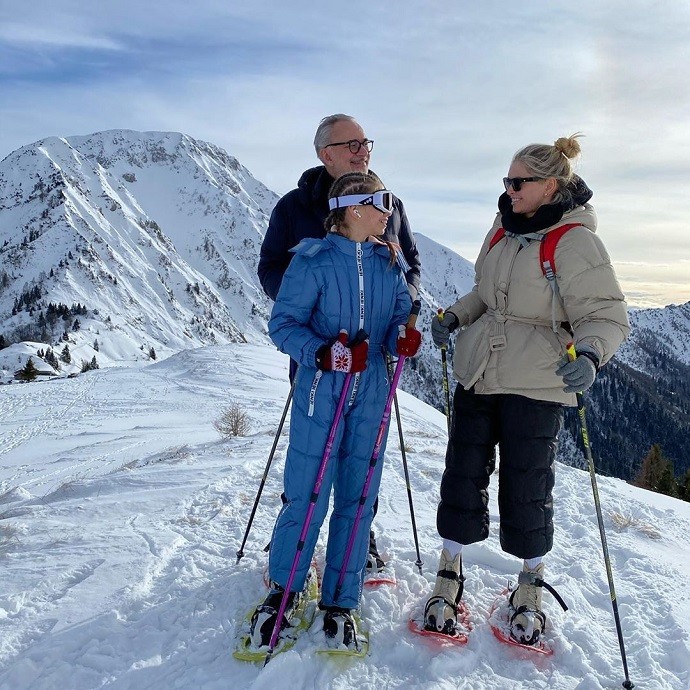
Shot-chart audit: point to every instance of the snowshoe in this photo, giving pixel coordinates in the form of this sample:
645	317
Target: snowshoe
456	634
254	632
528	620
441	610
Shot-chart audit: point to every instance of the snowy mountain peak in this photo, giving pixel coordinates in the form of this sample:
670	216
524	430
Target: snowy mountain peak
155	233
125	246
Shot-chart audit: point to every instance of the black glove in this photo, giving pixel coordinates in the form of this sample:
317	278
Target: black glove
578	374
443	327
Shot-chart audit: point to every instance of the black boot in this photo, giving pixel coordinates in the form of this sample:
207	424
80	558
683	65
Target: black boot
339	626
264	618
375	563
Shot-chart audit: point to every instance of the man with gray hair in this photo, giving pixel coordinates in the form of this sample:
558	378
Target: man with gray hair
342	147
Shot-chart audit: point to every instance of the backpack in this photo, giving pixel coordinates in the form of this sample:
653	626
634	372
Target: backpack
547	261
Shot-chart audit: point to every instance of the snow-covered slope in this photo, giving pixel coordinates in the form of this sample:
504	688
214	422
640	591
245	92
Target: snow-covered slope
446	275
122	510
155	233
127	246
147	240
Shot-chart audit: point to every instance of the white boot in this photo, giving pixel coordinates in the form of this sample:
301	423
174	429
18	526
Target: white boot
441	611
528	621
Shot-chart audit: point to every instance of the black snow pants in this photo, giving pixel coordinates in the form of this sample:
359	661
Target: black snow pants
526	432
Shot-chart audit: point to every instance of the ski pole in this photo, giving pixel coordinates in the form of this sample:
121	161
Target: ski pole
240	553
383	426
590	462
444	364
419	563
310	511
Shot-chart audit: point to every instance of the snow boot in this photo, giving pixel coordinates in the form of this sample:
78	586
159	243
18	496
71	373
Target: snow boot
528	620
264	618
375	563
441	611
339	626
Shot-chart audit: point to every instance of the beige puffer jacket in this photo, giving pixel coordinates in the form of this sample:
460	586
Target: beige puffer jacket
509	345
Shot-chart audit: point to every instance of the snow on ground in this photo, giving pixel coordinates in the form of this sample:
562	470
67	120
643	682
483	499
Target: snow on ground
122	510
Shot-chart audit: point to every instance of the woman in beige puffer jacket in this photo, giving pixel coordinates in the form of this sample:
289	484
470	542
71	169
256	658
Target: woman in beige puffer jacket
513	379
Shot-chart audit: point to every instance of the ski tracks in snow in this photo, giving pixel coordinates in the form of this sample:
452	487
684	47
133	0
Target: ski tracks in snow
179	520
128	579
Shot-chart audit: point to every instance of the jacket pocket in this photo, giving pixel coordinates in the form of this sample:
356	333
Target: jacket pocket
531	359
472	352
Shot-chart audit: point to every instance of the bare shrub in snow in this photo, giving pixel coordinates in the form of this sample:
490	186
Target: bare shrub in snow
234	421
623	522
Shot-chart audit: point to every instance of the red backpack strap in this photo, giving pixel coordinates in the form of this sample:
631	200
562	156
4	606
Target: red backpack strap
547	249
498	236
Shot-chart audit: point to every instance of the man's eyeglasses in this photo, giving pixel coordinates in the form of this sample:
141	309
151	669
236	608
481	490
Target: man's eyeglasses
517	182
381	201
354	144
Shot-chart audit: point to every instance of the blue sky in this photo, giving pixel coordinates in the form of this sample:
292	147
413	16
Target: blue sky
448	90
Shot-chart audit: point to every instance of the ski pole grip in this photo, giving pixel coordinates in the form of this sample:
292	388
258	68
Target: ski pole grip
444	347
570	349
414	313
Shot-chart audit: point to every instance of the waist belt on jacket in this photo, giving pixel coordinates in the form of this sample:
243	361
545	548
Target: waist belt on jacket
497	338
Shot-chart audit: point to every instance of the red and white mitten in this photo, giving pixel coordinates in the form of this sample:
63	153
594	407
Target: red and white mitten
348	358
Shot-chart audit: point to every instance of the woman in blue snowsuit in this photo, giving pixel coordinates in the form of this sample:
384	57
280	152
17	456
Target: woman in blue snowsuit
335	288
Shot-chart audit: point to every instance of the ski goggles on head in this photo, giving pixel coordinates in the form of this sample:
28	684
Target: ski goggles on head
381	200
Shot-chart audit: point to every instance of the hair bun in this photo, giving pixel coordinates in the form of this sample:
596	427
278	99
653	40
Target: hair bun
568	146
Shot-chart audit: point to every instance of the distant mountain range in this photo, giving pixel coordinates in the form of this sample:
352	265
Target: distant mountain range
126	245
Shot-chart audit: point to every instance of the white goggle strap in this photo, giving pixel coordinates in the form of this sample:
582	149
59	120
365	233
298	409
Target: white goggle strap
382	199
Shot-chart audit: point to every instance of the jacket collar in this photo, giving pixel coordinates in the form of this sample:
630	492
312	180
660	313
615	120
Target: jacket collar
347	246
313	188
577	194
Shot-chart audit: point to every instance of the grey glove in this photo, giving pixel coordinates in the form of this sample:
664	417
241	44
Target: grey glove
442	328
578	375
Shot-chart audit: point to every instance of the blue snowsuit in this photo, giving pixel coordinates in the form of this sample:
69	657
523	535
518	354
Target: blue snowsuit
321	294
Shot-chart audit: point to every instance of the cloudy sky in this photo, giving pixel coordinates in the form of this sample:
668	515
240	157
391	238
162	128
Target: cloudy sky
448	90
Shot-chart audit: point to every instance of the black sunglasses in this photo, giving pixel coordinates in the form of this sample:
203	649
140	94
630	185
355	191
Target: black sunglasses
516	182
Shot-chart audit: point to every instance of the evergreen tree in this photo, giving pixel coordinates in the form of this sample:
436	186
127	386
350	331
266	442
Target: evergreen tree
3	342
656	471
683	485
28	372
152	353
65	355
96	345
667	480
89	366
51	359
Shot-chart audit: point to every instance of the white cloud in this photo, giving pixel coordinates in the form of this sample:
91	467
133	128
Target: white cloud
36	36
448	91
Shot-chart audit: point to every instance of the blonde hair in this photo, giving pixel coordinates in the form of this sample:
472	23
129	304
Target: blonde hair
552	162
